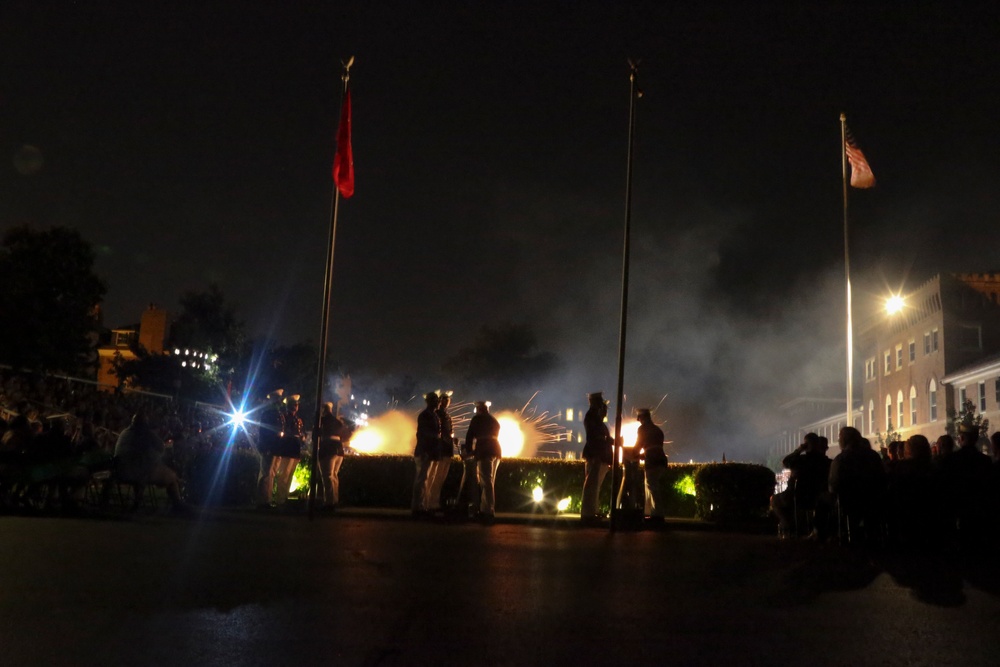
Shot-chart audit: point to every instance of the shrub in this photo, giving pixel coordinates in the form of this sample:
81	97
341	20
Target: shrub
221	476
733	491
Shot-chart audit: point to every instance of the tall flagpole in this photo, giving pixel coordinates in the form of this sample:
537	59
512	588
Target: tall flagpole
847	277
325	320
634	94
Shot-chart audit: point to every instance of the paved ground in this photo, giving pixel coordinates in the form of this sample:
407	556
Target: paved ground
245	588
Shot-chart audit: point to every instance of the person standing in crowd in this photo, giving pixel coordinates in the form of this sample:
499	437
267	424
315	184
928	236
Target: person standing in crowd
857	481
268	443
965	479
446	450
649	441
809	476
289	449
139	462
330	455
428	446
483	439
598	452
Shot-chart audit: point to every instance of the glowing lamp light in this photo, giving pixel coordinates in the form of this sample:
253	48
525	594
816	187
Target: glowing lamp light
238	418
563	505
537	494
894	304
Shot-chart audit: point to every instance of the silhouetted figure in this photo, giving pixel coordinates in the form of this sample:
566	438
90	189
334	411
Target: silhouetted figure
428	446
330	455
483	439
632	491
857	482
913	515
139	462
649	441
268	445
289	452
598	453
809	472
441	463
965	477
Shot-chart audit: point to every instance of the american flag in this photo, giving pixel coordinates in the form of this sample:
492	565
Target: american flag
861	174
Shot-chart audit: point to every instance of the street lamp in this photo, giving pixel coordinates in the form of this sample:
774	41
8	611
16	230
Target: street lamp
894	304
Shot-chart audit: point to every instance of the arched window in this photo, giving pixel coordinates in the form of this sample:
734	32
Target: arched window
932	401
899	409
913	405
888	411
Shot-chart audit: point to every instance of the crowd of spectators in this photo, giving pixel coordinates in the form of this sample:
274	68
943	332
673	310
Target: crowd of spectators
58	434
911	494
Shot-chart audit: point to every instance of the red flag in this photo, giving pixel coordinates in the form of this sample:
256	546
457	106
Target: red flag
343	161
861	174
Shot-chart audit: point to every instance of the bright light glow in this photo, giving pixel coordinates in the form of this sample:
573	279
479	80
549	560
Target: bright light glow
685	485
894	304
569	414
511	436
176	351
630	433
537	494
563	505
391	433
238	418
184	363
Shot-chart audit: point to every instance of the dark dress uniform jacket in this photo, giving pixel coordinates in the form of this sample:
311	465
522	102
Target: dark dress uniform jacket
428	434
484	437
599	441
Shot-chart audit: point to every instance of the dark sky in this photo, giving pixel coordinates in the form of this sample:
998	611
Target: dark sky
193	144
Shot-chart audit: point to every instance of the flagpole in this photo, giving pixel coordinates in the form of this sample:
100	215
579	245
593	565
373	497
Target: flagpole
325	321
633	96
847	276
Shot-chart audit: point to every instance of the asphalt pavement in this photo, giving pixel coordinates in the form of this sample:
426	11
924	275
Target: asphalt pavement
233	587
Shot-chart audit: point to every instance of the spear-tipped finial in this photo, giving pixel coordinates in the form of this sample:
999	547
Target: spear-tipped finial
346	76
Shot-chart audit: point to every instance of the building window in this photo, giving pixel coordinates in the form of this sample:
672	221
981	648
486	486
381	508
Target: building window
871	416
913	351
961	396
997	391
932	401
899	410
934	340
982	396
888	362
569	414
927	342
888	412
913	406
899	356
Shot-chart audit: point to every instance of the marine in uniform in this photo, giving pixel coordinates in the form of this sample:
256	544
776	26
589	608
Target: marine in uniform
483	440
330	455
289	448
428	448
598	453
649	441
268	438
441	466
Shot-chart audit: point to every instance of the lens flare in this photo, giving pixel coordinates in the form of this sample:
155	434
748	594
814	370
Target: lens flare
538	494
238	418
563	505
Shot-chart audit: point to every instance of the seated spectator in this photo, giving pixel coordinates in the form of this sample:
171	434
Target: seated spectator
139	461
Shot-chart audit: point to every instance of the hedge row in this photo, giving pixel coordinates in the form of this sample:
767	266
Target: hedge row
714	491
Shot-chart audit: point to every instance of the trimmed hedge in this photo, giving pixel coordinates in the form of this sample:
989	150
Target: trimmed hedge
733	492
723	492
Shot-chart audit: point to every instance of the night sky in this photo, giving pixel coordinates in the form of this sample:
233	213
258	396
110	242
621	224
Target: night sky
193	144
